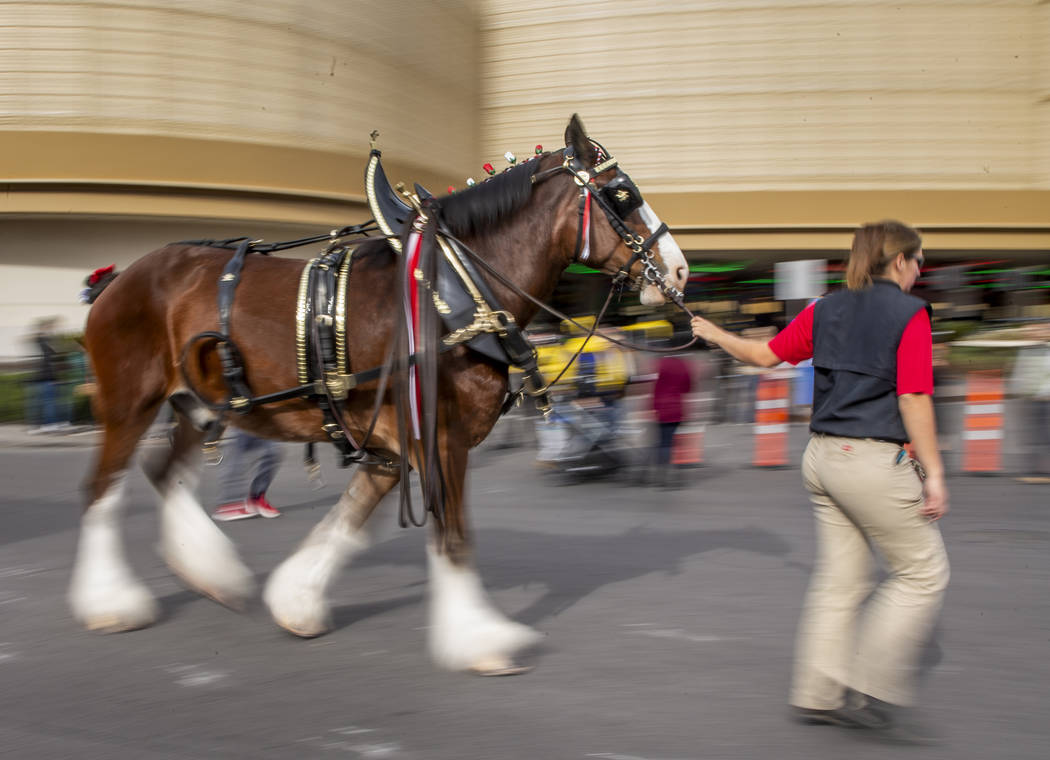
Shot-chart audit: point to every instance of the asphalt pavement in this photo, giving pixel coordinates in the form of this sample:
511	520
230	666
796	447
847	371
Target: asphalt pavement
669	616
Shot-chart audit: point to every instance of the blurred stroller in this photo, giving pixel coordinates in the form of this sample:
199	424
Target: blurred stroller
584	437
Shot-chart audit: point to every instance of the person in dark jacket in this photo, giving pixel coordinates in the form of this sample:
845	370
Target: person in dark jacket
873	383
46	379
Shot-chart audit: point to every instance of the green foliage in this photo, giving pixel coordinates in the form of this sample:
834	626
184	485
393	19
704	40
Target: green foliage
972	359
946	330
13	396
16	390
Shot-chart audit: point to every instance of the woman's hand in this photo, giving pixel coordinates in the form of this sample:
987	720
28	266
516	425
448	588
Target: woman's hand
936	503
704	329
747	350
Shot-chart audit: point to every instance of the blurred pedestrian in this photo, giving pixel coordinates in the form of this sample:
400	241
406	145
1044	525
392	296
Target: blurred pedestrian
871	346
673	384
45	383
245	453
1030	380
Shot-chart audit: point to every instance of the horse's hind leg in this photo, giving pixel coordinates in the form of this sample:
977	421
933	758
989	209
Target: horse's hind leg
104	594
296	592
466	630
193	546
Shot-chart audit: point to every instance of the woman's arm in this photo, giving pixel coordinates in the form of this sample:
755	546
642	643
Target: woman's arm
917	412
749	351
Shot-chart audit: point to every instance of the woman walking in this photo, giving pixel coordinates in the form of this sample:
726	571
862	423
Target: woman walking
873	383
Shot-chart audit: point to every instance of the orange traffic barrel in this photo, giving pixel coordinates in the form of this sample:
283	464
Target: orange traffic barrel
771	422
688	447
983	423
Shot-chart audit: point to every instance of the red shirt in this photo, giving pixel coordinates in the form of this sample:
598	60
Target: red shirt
914	353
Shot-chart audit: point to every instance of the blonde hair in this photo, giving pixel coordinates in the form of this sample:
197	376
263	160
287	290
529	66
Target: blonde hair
875	246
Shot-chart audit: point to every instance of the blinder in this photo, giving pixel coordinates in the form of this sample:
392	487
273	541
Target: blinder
622	195
618	198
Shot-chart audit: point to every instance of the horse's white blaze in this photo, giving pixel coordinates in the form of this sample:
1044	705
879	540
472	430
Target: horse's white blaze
296	592
676	269
196	549
466	631
103	592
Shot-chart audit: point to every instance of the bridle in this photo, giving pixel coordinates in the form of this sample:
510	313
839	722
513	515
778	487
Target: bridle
617	198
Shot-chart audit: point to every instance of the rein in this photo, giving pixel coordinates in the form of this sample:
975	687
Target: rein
616	285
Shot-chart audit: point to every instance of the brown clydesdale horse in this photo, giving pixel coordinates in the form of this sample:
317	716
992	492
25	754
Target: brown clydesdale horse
524	227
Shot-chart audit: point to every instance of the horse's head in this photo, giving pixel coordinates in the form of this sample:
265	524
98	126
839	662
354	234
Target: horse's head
617	231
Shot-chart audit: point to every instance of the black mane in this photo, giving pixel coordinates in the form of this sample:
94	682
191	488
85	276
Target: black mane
485	204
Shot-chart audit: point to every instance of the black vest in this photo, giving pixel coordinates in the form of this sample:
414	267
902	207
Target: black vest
855	339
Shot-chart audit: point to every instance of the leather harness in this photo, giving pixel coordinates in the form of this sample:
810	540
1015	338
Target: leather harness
467	305
469	310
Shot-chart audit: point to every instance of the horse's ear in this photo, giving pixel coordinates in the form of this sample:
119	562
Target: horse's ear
576	138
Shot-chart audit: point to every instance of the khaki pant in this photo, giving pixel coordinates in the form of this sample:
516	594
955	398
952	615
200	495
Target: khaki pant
863	498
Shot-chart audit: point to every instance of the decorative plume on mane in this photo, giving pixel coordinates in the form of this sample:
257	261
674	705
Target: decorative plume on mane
96	282
487	203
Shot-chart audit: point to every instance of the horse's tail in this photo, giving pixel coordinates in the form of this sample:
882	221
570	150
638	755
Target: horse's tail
96	282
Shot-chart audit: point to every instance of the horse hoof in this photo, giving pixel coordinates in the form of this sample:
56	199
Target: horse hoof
236	601
302	615
121	621
307	621
297	608
303	632
235	589
499	666
116	625
234	595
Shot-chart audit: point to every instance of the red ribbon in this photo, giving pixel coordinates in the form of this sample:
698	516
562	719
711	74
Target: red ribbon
99	273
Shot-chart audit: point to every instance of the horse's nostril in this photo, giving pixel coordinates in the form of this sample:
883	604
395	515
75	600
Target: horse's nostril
681	274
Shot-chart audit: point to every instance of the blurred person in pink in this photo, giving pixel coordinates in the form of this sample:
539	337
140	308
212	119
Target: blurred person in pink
673	383
247	453
871	346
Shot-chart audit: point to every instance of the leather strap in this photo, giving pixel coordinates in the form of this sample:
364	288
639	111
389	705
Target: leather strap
232	365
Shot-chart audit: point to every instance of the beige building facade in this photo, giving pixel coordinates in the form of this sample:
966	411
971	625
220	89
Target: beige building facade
780	125
762	128
129	124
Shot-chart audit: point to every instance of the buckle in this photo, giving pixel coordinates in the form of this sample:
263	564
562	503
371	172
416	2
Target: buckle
212	455
333	430
335	386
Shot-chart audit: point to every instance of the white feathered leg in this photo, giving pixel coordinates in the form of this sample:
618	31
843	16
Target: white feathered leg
297	591
195	548
466	631
104	594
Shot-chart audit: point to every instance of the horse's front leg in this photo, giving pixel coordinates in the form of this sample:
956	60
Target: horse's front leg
466	630
296	592
104	593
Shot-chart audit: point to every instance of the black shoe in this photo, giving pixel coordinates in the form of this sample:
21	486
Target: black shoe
878	721
847	717
902	728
